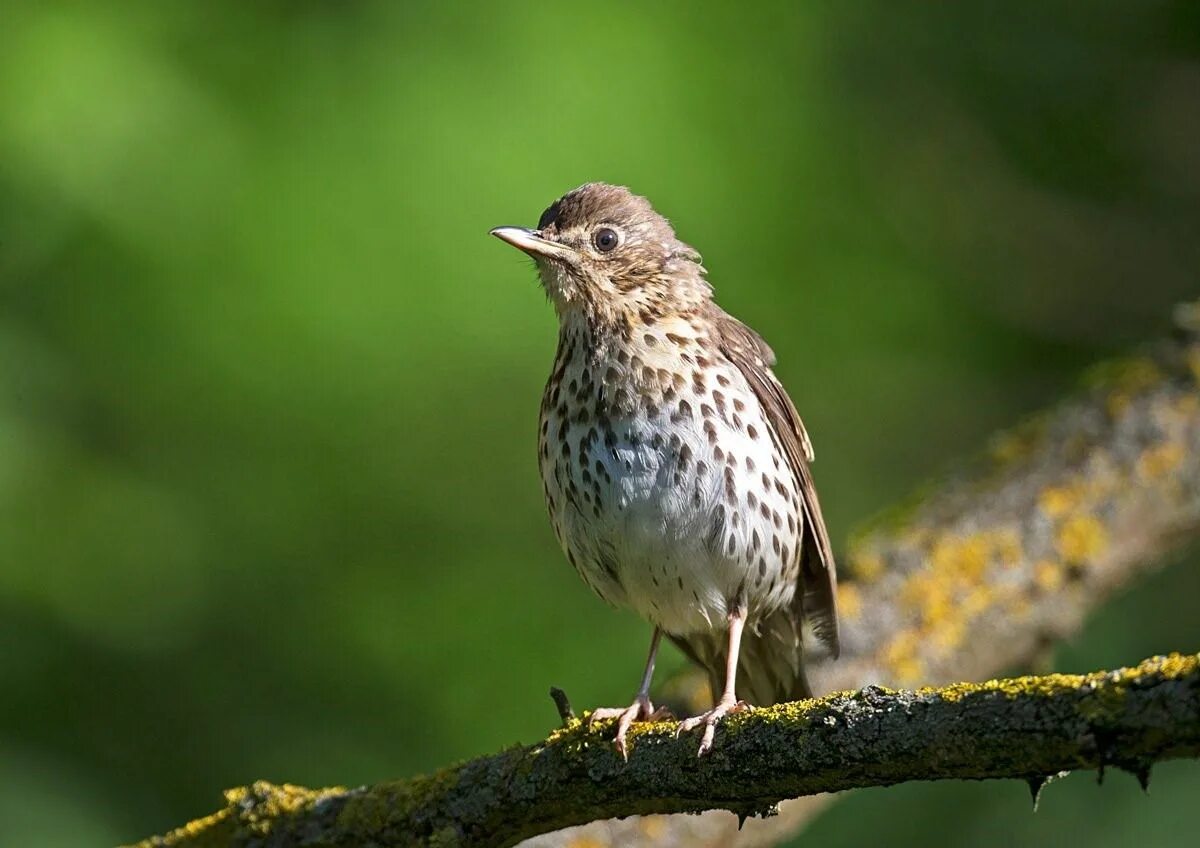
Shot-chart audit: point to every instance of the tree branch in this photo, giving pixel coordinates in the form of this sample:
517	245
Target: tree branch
1029	728
1011	551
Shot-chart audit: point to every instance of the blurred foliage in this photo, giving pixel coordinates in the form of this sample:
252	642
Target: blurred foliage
268	498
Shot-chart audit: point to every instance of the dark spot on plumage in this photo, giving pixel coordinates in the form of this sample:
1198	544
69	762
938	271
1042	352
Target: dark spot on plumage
610	439
764	510
669	394
730	488
718	454
762	568
786	554
623	356
731	460
716	529
652	410
599	467
687	358
755	541
731	546
706	411
676	339
698	383
737	421
587	477
684	410
566	449
752	431
650	339
657	441
791	522
635	364
573	386
545	426
628	465
611	374
752	500
776	519
711	432
737	518
779	487
703	361
648	374
775	543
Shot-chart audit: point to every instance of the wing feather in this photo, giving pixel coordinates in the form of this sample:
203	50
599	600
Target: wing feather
816	602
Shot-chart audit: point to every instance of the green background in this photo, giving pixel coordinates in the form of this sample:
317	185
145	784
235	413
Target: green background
269	505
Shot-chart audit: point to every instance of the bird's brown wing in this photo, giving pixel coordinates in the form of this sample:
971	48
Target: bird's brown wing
817	600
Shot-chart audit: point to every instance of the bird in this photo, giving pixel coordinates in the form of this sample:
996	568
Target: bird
675	467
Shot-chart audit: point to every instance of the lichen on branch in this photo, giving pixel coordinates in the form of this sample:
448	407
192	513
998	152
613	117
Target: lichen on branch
1027	728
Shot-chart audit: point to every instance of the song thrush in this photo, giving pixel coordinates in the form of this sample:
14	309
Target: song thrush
674	465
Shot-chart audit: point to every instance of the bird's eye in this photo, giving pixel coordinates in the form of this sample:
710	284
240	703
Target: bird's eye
605	239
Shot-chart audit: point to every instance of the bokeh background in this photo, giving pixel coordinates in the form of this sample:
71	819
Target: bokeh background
268	498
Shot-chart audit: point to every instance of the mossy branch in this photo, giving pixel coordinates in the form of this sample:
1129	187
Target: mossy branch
977	573
1027	728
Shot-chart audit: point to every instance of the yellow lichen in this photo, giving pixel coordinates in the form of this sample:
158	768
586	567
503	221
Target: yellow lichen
965	557
949	635
1057	501
1048	575
901	658
866	565
1160	460
849	601
976	601
1193	361
653	826
1080	539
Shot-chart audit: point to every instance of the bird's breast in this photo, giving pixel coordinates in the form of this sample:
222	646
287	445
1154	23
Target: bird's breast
664	486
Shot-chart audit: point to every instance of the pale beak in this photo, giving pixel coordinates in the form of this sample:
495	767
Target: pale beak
532	242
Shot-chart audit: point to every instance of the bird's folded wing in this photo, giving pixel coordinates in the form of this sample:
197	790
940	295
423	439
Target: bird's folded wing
754	358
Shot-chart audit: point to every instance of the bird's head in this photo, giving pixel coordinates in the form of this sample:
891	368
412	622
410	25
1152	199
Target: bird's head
604	253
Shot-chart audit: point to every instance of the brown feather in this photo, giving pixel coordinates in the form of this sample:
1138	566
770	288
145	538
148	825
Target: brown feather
816	602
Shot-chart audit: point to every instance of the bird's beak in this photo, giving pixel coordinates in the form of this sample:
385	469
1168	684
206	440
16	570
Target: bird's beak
532	242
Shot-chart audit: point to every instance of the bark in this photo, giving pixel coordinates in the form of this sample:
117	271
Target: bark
977	573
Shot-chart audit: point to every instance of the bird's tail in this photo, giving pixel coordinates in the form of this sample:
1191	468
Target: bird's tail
770	662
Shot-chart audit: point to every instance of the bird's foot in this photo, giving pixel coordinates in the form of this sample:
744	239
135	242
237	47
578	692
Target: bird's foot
640	710
710	720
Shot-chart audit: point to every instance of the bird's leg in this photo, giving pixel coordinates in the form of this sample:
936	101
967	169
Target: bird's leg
641	709
728	702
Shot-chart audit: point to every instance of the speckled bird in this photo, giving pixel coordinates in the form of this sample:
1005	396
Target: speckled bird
674	465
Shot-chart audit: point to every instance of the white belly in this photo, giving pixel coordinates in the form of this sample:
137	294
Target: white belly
678	511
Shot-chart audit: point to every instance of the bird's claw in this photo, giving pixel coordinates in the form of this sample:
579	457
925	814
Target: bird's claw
709	721
640	710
